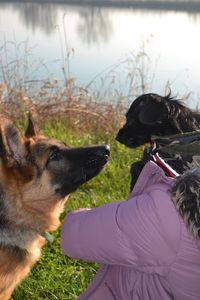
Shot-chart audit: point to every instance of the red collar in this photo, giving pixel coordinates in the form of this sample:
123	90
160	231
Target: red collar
161	163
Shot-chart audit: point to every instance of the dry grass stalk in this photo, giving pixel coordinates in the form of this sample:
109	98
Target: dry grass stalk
71	104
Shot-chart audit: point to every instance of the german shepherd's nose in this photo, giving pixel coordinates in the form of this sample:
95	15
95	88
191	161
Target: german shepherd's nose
103	150
97	156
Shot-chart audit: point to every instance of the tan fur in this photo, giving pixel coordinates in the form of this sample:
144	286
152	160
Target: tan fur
33	205
13	271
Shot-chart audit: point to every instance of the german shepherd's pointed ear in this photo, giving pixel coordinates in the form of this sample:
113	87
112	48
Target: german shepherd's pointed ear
12	143
33	129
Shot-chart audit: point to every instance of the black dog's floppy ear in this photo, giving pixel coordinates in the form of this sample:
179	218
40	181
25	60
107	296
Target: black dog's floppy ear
12	143
33	129
154	111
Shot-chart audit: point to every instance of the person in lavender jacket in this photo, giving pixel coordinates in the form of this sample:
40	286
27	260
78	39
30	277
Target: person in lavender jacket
148	246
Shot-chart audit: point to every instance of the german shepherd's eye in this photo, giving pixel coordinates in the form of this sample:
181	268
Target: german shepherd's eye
54	154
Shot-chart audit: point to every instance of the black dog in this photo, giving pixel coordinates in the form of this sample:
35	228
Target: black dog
150	115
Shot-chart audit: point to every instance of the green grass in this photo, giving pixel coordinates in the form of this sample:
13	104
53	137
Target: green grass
56	276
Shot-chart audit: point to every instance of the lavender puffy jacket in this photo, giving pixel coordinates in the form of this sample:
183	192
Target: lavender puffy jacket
144	248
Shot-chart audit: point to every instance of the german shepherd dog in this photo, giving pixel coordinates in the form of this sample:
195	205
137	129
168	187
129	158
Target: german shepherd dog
152	114
36	175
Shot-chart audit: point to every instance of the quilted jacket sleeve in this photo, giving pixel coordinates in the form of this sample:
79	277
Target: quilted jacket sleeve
135	233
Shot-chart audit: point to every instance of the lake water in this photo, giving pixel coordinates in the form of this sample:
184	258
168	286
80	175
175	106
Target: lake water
92	42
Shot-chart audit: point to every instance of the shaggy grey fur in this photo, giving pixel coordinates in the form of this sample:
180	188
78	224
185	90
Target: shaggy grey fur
186	197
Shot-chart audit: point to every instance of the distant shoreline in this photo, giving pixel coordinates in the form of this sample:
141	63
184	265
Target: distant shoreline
177	5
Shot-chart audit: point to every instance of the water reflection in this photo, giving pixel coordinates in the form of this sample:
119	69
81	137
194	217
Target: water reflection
94	25
36	16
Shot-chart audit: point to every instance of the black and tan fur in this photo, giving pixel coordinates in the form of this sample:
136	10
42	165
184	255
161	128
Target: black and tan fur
36	175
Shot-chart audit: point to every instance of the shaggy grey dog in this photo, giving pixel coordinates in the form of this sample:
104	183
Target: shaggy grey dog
186	197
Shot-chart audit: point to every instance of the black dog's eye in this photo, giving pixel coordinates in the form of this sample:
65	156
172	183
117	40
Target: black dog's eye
54	154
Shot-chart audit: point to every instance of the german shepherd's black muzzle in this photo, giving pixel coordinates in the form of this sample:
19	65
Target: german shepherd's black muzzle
74	166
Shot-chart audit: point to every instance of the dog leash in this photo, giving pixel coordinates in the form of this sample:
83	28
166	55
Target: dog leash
160	162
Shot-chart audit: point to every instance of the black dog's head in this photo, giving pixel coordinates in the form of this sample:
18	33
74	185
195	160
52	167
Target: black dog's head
152	114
